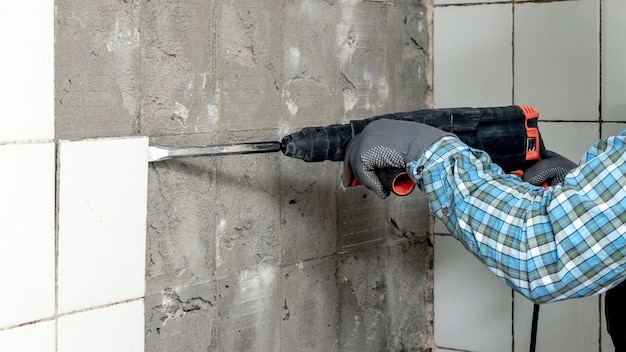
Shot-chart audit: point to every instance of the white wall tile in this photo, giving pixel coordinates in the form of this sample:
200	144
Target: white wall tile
118	328
570	139
557	58
102	221
571	325
38	337
27	70
612	129
27	232
613	59
472	307
473	55
557	70
440	228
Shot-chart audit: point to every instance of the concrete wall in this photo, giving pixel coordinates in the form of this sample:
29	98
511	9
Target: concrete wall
258	252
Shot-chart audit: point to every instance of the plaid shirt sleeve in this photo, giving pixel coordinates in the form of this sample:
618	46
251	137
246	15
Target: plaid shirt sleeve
549	244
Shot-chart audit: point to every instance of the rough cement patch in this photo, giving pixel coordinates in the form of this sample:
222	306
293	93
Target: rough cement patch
180	233
308	218
247	211
97	46
385	298
363	324
410	299
308	323
360	219
407	219
249	310
179	86
259	252
180	321
309	82
248	64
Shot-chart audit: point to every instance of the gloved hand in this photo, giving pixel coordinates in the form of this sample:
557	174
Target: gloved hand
386	143
550	170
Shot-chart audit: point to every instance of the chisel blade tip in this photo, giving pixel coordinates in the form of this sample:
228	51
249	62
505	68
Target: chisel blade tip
156	154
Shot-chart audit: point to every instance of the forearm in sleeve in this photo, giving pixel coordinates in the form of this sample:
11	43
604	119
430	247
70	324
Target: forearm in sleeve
549	244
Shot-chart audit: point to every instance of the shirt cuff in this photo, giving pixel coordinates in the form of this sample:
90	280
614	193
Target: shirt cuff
437	152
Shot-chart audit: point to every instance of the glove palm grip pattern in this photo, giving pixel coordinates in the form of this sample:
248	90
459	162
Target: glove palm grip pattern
377	158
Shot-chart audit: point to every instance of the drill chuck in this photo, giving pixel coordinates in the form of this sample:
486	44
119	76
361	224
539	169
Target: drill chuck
318	143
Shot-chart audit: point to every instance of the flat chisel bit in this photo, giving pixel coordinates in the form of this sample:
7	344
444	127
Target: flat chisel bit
157	153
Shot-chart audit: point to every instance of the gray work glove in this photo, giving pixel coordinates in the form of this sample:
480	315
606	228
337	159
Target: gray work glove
549	171
386	143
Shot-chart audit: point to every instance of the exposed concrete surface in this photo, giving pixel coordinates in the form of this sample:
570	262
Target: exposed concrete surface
259	252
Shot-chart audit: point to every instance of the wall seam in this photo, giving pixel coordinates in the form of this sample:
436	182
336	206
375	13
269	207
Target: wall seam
57	182
512	102
464	4
600	315
600	69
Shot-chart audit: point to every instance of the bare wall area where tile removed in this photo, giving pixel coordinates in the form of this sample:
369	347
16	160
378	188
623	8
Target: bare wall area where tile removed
259	252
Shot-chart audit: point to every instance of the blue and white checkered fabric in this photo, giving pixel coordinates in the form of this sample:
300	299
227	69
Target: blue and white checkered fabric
549	244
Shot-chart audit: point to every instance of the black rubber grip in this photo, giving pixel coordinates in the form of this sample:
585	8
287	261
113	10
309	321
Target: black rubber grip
397	181
318	143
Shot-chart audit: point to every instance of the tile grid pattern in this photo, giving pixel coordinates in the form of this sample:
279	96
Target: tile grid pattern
72	243
558	56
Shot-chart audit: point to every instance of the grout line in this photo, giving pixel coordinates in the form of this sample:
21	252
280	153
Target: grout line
513	52
512	320
575	121
600	316
464	4
28	141
451	349
467	4
430	60
217	13
55	317
57	182
281	116
600	70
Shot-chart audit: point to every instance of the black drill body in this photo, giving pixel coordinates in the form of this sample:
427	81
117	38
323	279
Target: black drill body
508	134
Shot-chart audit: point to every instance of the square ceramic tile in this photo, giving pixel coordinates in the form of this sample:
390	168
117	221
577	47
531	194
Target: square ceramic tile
38	337
612	129
27	74
102	221
27	204
473	55
570	139
118	328
613	58
440	228
571	325
557	58
467	293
